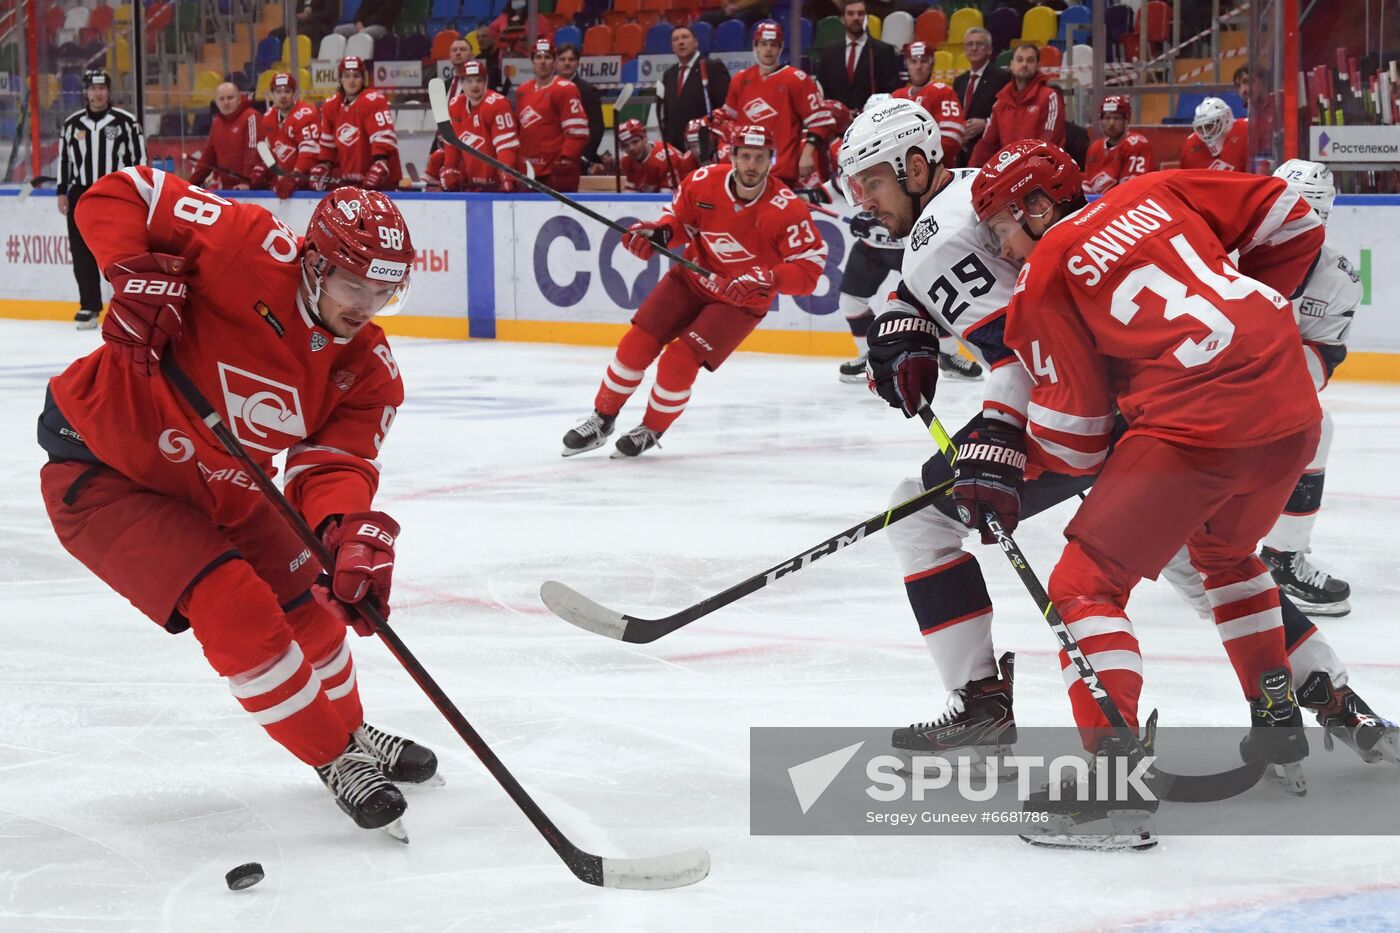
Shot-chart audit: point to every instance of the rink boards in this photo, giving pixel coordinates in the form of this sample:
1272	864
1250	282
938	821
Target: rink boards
526	268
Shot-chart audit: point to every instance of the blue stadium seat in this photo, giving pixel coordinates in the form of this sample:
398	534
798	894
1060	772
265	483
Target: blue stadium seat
729	37
415	46
658	40
1075	22
704	32
807	36
629	72
568	35
478	10
269	51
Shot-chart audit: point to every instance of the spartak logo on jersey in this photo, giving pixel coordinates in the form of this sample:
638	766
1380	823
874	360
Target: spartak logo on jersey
283	152
471	139
530	116
263	413
725	247
1220	165
347	134
758	110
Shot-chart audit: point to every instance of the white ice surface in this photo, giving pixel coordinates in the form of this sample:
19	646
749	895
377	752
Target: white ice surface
130	781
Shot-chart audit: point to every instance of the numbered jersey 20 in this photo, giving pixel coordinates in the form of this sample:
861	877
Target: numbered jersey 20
1134	301
279	379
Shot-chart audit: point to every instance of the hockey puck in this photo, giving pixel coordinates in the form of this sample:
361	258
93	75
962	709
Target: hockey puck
244	876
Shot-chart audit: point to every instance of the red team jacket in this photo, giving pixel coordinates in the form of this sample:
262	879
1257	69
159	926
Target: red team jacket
1234	152
553	124
279	380
659	169
353	133
490	127
231	154
787	102
773	232
1037	112
1105	167
296	140
1134	301
941	102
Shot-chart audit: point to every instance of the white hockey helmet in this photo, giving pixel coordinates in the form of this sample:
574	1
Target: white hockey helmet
887	132
875	100
1313	183
1212	122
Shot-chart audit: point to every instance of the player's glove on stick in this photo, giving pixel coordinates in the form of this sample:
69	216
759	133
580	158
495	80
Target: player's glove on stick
362	544
902	367
319	176
642	238
451	179
377	176
259	177
148	301
752	288
284	186
988	476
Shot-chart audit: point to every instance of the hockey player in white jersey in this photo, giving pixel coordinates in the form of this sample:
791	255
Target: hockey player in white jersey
1324	307
954	277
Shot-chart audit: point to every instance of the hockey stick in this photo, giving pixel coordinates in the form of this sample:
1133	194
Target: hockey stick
572	606
661	126
437	95
622	98
661	871
34	183
1183	788
269	160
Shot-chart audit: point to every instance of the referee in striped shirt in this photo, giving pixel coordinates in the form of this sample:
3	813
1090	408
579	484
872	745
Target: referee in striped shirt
96	140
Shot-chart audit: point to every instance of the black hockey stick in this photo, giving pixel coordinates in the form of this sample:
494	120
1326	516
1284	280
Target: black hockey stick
34	183
1183	788
572	606
437	96
662	871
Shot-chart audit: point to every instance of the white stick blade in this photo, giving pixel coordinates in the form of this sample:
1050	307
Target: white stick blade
572	606
623	97
437	98
265	153
658	872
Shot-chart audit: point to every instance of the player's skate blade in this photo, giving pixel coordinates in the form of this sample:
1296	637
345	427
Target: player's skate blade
1315	592
1119	831
1288	778
853	371
635	443
362	791
396	832
593	432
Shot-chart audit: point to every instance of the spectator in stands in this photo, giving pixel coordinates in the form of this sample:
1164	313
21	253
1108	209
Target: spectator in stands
858	66
511	30
315	19
230	155
1242	83
747	12
566	66
977	88
1119	155
1027	108
693	86
491	54
458	53
375	17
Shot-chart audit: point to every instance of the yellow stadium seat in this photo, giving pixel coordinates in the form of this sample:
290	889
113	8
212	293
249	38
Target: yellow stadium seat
943	66
264	87
205	83
474	42
875	27
1040	25
963	20
303	49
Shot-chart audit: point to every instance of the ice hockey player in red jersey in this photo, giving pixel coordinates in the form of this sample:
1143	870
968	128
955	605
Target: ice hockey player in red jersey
784	100
292	129
483	119
940	100
1119	154
553	123
648	166
359	144
1134	303
277	332
1218	140
757	241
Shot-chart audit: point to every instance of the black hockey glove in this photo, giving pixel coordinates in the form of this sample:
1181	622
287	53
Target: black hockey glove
988	476
864	224
902	367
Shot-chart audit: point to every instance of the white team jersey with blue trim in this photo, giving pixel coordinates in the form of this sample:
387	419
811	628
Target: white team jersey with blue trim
1329	298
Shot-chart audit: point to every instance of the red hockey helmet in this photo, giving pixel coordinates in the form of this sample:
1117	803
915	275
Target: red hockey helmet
352	63
283	81
1020	170
1119	104
768	31
363	250
751	134
471	69
629	130
918	50
542	45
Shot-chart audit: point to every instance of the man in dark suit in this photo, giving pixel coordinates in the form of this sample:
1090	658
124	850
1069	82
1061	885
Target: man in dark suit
858	66
566	66
977	89
694	86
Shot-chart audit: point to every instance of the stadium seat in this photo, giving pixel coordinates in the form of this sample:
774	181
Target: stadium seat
963	20
415	47
1118	22
360	45
622	12
807	30
474	42
899	30
729	36
568	35
332	48
1049	57
597	40
76	18
628	40
101	17
442	13
828	30
1076	22
1040	25
1004	58
412	15
386	48
1003	23
932	27
658	41
943	66
204	84
53	19
1081	61
704	35
568	9
203	120
303	49
630	72
874	26
442	44
269	50
264	85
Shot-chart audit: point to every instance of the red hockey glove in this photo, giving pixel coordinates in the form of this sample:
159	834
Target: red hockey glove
753	287
643	237
319	176
284	186
508	184
377	178
362	544
148	299
259	178
988	476
902	367
564	174
450	178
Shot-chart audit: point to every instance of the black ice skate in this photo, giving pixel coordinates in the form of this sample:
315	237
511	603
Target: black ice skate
977	723
401	760
854	370
363	792
1276	736
636	442
1092	815
1347	717
959	366
1316	592
85	319
591	434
